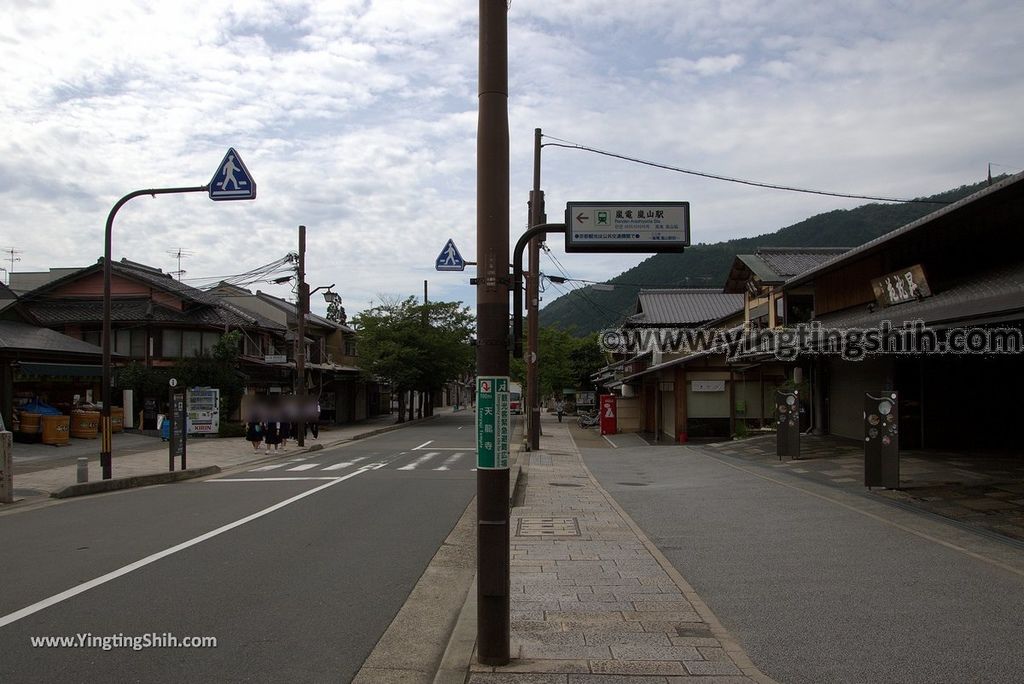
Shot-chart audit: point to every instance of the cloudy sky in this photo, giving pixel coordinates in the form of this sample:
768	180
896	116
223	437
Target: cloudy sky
358	119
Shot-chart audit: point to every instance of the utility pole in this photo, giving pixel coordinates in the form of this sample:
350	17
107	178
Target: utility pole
537	217
300	349
492	233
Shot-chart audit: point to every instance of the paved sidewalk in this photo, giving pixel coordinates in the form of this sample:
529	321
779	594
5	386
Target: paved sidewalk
593	601
226	452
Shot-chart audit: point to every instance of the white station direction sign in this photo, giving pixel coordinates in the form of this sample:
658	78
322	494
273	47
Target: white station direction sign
627	226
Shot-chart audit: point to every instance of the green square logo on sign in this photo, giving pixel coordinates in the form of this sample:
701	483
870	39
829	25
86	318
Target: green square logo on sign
492	420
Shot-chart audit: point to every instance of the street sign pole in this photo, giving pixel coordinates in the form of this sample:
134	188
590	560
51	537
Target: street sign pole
493	561
231	181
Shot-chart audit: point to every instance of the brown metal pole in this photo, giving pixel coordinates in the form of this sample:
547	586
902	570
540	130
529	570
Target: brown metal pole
492	176
106	438
537	217
300	349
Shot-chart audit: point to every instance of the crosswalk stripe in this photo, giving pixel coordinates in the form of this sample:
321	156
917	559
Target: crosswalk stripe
268	467
346	464
450	460
305	466
420	461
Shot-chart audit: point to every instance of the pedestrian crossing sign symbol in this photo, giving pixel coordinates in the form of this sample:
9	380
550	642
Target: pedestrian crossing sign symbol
231	180
449	259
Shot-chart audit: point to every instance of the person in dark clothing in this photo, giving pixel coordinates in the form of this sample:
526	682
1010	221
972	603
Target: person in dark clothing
254	433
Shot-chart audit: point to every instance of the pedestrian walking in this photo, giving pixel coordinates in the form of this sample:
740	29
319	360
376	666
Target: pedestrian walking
560	409
254	433
314	424
285	431
272	435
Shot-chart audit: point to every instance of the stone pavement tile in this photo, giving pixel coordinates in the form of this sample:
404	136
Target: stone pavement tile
608	582
636	667
566	652
515	678
645	638
693	629
711	667
605	595
547	666
523	602
667	626
709	642
594	606
713	653
641	652
649	594
662	616
659	606
712	679
615	679
528	615
550	639
536	631
582	618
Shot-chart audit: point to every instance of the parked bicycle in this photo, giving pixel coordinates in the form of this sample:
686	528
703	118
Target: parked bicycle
588	420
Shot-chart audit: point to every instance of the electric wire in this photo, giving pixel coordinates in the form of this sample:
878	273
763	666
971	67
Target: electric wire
567	144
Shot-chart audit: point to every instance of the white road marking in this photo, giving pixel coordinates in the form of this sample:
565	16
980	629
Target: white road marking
345	464
420	461
305	466
270	479
463	448
423	445
450	461
269	467
131	567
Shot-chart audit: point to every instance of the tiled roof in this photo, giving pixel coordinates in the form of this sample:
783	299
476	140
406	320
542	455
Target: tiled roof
997	294
773	265
6	292
51	312
15	335
684	306
786	262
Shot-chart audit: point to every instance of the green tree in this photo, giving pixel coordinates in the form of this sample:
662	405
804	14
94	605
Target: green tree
586	359
415	347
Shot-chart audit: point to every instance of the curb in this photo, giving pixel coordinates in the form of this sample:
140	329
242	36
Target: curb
458	655
84	488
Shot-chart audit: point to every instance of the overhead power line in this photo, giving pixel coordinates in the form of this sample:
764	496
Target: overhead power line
703	174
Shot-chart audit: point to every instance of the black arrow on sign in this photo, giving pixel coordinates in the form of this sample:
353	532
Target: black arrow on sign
581	217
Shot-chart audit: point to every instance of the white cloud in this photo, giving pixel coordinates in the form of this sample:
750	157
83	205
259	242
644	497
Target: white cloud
358	119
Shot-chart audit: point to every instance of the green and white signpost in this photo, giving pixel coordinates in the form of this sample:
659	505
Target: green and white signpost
492	421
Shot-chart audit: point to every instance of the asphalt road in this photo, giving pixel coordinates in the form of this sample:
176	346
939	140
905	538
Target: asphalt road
813	590
296	578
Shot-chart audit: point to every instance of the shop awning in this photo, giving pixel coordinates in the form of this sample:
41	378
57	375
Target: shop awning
25	369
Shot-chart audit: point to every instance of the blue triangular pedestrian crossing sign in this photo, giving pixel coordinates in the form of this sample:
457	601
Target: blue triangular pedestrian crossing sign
231	180
449	259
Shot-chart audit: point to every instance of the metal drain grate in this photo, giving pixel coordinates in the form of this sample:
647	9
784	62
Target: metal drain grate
548	527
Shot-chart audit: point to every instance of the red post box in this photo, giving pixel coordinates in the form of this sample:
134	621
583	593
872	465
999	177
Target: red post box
609	419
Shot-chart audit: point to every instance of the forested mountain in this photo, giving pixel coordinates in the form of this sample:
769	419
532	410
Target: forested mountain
587	310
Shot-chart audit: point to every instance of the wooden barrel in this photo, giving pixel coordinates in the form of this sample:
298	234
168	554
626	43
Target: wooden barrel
116	419
55	429
29	423
85	424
